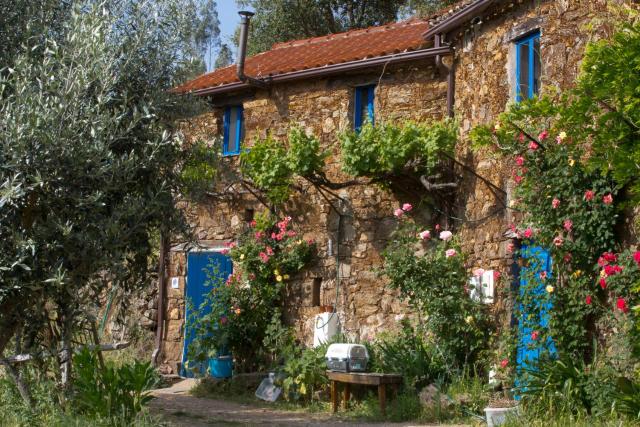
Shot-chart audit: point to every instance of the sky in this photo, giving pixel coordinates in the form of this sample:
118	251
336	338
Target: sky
229	20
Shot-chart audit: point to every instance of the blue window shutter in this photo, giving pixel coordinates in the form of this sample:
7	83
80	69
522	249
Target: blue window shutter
232	137
370	95
225	136
528	43
239	119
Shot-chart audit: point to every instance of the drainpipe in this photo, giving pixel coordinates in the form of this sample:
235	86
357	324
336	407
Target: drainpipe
245	17
164	243
450	71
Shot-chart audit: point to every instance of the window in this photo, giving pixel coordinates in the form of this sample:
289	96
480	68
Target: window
315	292
232	131
363	109
528	66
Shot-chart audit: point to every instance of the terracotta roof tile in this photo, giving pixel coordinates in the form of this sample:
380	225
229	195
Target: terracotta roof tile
321	51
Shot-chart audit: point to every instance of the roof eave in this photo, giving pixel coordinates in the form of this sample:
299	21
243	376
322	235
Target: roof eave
330	69
458	18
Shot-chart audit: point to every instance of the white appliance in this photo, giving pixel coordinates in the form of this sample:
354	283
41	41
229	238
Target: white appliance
325	328
347	358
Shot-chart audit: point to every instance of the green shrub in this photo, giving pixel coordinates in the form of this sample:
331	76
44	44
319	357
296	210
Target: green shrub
408	353
305	373
111	392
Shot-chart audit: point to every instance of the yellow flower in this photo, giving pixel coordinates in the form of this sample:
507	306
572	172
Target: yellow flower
571	162
286	277
549	288
469	319
279	278
577	273
276	272
497	126
562	135
603	274
241	256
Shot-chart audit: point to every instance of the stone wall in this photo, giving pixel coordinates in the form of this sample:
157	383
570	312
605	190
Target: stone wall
364	303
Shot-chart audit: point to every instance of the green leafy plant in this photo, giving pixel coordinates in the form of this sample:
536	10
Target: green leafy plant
627	397
241	313
409	353
387	149
272	165
305	373
430	273
111	392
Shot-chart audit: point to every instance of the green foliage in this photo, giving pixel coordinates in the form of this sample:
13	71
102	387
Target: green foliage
246	307
272	165
199	170
305	373
387	149
409	353
627	397
431	275
111	392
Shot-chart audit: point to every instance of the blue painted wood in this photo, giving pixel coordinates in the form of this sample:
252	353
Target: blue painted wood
232	148
200	267
528	353
529	42
364	95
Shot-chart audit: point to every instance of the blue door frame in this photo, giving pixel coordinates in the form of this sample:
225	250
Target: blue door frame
200	266
536	260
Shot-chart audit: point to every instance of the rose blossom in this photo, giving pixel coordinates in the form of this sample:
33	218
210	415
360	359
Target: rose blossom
496	274
543	275
533	146
588	300
519	160
521	137
398	213
446	235
555	203
437	227
253	223
425	235
612	270
504	363
607	199
636	257
567	224
407	207
622	305
478	272
528	233
603	283
450	252
543	135
517	179
558	241
224	251
535	335
588	195
567	258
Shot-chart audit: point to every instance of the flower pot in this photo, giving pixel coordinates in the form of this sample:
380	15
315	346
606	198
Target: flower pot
325	309
497	416
221	367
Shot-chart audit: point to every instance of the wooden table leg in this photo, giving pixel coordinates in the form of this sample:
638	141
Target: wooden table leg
382	398
347	395
334	396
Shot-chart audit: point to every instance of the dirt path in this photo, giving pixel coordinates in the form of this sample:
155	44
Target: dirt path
177	407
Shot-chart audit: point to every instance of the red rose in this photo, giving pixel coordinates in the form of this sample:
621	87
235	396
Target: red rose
636	257
588	195
610	256
504	363
603	283
588	300
534	335
622	305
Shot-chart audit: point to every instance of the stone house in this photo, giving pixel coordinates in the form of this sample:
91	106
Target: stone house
470	60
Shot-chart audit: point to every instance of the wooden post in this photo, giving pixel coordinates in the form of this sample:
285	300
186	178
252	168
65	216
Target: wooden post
334	396
382	398
347	395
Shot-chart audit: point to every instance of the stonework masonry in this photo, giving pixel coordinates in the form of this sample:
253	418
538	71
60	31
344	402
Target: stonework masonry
350	244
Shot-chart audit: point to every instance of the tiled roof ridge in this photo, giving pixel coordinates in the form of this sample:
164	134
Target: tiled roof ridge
349	33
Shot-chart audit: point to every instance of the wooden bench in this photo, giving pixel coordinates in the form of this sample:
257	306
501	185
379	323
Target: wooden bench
365	378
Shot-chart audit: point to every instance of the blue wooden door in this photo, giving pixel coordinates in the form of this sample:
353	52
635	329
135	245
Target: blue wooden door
536	261
200	267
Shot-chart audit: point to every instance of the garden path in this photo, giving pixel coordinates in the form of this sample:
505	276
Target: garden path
176	407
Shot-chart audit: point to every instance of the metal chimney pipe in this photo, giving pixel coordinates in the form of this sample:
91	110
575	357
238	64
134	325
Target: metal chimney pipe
245	17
